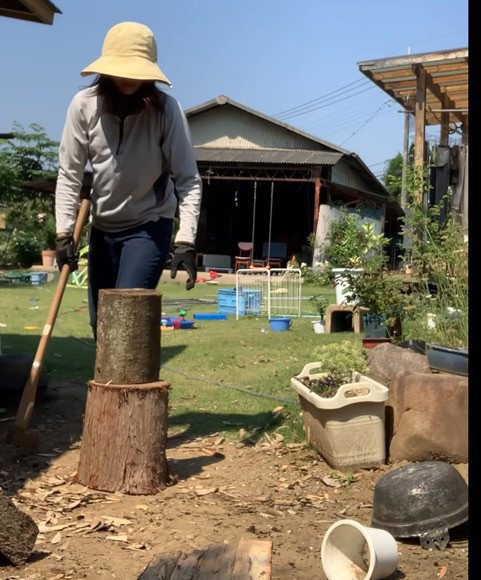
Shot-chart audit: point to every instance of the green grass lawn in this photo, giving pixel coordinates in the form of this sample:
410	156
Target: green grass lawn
212	369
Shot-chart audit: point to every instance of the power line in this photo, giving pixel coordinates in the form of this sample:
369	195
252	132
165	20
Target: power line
351	123
321	98
372	86
364	124
357	112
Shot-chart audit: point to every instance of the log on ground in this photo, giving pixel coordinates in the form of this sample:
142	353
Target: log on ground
242	560
124	438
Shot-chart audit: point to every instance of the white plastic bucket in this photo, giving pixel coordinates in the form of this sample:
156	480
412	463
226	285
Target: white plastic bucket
319	326
342	285
351	551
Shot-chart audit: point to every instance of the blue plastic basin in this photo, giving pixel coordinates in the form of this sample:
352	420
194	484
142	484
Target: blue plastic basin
280	323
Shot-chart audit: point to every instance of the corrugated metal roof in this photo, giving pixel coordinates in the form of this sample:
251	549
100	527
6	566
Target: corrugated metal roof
280	156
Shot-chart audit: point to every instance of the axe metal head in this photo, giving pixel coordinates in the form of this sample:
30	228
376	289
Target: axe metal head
27	439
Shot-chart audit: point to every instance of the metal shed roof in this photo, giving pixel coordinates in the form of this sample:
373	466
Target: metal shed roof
277	156
42	11
446	76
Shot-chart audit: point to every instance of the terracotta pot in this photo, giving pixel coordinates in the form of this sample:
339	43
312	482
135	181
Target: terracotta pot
48	257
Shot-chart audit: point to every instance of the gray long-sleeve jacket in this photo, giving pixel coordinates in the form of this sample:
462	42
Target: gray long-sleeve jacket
127	159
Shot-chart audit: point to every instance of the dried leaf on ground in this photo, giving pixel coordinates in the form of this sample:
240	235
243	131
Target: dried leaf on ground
331	481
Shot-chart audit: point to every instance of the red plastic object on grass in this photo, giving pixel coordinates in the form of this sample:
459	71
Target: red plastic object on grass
371	341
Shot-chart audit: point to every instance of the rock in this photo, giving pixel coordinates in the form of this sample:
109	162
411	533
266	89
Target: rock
386	360
427	417
14	372
18	532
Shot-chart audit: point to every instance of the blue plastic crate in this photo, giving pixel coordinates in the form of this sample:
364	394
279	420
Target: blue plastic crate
249	301
38	278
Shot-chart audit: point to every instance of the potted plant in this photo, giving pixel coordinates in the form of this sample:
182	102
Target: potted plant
46	223
382	295
320	304
342	408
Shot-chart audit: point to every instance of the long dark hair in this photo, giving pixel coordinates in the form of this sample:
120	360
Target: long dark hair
115	103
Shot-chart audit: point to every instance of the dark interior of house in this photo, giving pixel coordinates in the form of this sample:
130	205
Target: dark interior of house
228	216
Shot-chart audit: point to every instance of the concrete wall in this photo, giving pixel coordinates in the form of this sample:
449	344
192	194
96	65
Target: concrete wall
328	214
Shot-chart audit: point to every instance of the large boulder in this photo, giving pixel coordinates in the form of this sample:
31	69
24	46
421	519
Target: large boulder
386	360
427	417
18	532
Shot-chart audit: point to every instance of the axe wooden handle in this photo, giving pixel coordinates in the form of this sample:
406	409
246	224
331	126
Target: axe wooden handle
27	401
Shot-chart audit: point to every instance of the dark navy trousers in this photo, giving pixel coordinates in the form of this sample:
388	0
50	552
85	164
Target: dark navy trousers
132	258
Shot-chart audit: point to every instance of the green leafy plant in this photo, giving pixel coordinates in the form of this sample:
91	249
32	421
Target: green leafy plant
26	249
438	251
382	294
339	361
320	304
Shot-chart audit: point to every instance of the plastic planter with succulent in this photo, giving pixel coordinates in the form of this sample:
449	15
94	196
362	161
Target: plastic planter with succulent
338	361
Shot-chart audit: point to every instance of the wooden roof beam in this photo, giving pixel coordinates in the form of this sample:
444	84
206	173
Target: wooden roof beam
436	90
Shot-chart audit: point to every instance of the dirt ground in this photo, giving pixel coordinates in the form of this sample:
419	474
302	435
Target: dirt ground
226	491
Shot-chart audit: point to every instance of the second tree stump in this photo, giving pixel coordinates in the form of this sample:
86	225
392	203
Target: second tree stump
124	438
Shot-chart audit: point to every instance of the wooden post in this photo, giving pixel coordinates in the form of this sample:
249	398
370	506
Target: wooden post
125	423
420	111
317	197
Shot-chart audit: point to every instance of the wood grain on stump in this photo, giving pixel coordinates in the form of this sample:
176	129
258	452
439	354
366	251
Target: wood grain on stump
128	336
124	438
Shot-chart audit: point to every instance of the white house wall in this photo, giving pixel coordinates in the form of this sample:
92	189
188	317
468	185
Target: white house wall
229	127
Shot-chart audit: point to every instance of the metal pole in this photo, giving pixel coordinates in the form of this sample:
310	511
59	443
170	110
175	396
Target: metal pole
254	215
270	223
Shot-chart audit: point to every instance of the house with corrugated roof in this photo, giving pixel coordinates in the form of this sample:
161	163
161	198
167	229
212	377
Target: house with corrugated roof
271	184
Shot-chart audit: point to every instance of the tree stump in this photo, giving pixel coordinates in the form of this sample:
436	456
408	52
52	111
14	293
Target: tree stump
125	422
124	438
128	336
18	532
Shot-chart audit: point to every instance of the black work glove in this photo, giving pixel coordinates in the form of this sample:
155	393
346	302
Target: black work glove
66	253
184	254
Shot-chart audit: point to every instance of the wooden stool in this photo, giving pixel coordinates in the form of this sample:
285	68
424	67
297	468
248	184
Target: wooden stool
274	263
334	309
241	261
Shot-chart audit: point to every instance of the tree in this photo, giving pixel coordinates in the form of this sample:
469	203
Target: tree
392	175
30	155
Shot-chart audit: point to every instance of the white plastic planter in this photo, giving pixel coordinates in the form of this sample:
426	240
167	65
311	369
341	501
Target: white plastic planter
347	429
351	551
319	326
342	286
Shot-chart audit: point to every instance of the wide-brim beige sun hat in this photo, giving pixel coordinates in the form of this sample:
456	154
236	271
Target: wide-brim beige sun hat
129	51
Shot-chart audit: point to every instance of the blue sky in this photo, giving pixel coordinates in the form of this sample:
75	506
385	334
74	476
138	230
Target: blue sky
270	55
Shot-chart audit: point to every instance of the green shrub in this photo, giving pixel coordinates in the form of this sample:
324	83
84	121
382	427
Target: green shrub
341	359
26	249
